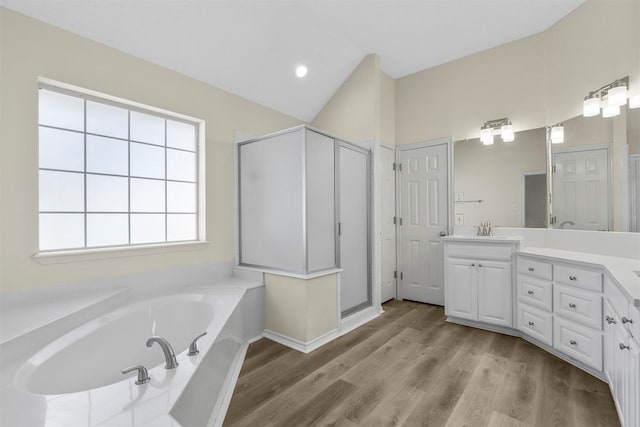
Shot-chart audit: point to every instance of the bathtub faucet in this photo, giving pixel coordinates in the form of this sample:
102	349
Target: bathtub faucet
169	355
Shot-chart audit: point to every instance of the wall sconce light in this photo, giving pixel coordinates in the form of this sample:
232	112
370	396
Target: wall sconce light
500	127
610	98
556	133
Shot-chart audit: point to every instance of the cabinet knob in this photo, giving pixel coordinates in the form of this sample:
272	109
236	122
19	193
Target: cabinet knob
479	265
473	265
624	347
611	320
530	292
530	269
573	342
531	323
573	278
572	305
625	320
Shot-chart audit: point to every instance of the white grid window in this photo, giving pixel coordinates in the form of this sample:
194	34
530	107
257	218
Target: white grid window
114	175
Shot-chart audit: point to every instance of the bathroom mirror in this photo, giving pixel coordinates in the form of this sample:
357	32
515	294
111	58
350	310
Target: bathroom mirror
590	172
504	183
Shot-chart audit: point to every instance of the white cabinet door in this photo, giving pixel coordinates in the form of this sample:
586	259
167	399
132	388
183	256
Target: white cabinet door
462	292
632	389
609	344
619	360
494	293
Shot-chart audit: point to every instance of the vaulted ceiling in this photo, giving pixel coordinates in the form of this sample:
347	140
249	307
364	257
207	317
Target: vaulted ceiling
251	47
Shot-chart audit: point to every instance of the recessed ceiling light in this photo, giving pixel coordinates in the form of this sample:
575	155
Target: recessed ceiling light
301	71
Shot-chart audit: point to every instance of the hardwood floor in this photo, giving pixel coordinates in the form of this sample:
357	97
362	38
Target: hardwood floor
411	368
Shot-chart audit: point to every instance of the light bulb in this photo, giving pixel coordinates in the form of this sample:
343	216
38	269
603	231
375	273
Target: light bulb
557	134
617	96
591	106
609	110
506	131
486	135
634	101
301	71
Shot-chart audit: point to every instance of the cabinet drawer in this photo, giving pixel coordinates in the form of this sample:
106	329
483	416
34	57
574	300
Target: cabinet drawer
580	277
580	306
616	298
476	251
533	268
633	323
535	292
576	341
536	323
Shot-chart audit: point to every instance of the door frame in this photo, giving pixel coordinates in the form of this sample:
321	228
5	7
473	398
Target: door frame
581	148
448	141
395	212
634	191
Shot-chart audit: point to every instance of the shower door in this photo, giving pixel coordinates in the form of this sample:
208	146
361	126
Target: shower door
354	196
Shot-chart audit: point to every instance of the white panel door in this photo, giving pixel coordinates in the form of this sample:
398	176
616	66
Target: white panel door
354	228
581	189
424	216
388	227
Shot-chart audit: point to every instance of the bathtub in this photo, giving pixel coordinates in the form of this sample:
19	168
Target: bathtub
76	380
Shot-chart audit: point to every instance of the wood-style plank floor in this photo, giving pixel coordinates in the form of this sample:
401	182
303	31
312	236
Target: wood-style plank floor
409	367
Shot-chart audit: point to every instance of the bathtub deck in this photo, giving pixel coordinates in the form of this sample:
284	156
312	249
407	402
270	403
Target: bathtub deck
409	367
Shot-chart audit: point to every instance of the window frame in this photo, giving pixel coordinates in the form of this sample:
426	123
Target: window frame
131	106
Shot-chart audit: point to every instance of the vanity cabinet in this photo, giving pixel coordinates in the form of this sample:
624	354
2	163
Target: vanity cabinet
621	354
479	282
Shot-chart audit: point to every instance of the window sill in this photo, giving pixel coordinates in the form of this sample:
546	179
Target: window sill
114	252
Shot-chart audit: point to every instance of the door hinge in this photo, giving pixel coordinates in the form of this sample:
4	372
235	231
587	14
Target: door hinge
400	275
394	165
400	221
400	167
339	229
553	219
395	274
554	169
394	220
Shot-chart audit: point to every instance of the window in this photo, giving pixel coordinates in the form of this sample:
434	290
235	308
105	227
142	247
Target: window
113	174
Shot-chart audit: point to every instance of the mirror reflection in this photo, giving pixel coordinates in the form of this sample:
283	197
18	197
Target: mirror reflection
593	173
504	183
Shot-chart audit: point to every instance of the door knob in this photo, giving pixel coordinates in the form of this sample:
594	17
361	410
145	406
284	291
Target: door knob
442	234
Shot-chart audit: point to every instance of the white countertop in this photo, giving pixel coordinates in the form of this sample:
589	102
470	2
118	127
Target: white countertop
623	271
486	239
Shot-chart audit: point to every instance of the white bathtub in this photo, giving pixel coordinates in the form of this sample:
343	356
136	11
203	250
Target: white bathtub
81	370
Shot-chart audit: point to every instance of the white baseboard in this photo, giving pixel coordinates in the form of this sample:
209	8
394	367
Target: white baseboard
304	347
358	319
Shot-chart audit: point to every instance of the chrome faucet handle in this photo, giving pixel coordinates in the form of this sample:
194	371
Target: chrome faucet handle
193	347
143	374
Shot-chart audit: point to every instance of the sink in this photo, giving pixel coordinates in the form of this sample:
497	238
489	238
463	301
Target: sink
473	236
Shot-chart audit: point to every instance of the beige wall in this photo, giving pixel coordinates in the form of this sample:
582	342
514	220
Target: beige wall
536	81
31	49
352	113
387	110
301	309
493	174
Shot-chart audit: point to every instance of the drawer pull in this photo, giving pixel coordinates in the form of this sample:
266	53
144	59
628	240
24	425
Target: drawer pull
531	323
624	347
572	305
573	278
573	342
611	320
530	292
530	269
625	320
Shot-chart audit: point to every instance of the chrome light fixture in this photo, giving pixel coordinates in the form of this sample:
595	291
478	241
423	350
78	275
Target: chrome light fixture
502	127
556	133
610	98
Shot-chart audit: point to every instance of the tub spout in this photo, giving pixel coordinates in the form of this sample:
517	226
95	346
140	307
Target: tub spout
169	355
